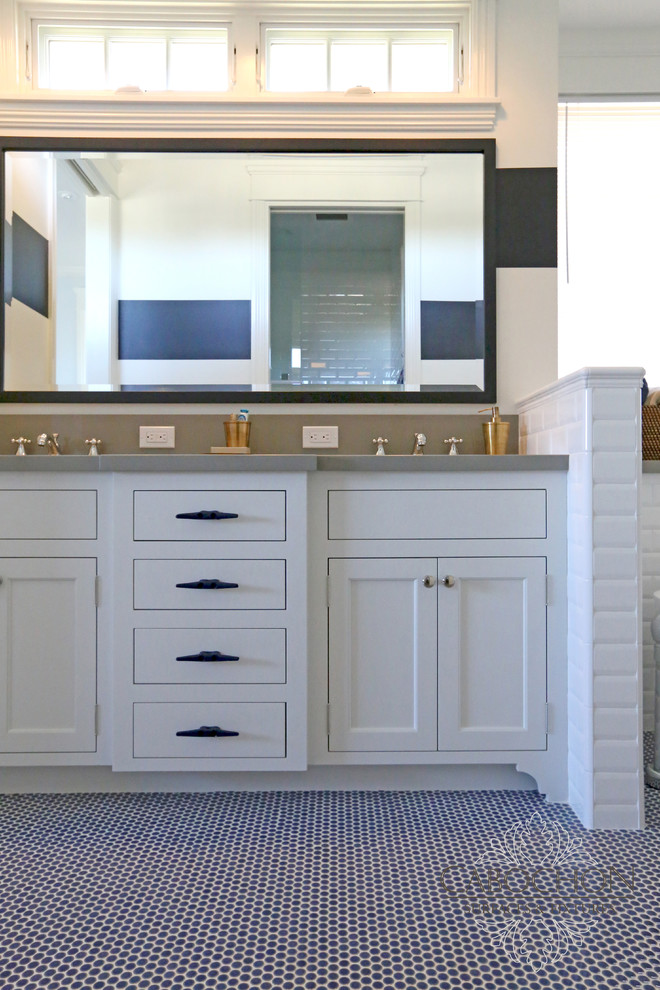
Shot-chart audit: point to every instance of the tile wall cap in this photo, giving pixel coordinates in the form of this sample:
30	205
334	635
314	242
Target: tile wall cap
579	381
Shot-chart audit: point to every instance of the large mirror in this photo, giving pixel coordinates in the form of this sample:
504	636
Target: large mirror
265	270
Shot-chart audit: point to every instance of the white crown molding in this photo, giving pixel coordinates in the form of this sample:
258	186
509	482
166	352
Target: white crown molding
128	115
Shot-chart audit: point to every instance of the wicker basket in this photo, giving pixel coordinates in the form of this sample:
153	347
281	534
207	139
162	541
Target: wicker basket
651	433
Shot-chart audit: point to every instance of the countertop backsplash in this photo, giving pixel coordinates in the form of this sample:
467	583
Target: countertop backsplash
271	433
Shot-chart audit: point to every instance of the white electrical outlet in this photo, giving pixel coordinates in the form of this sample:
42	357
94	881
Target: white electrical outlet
320	436
156	436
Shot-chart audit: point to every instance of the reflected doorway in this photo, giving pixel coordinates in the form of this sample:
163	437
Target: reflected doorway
336	297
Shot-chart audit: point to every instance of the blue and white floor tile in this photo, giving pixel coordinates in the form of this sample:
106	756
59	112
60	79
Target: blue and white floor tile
317	891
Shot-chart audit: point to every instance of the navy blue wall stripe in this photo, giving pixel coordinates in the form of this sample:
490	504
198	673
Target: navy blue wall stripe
526	228
184	329
8	261
29	265
451	330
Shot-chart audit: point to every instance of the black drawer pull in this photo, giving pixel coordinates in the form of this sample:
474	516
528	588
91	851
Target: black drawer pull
206	731
213	656
207	514
207	584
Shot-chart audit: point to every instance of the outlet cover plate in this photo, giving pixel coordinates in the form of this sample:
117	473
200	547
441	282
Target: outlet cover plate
157	436
320	436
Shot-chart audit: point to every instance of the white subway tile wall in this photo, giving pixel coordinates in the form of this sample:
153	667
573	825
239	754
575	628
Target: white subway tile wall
594	416
650	537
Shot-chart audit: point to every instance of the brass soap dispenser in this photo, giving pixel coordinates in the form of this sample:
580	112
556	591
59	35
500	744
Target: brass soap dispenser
496	432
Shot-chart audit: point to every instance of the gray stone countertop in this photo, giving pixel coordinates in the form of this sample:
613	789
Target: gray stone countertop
443	462
189	463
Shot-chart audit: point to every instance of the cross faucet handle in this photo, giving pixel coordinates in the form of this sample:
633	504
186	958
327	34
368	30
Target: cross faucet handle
381	441
453	441
21	441
93	445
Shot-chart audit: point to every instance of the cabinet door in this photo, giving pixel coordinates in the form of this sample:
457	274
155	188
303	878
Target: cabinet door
47	655
491	653
382	643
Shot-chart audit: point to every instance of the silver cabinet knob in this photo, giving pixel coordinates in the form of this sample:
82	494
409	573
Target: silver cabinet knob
428	581
449	581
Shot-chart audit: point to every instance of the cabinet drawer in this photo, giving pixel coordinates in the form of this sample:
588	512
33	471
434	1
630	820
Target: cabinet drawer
457	514
252	515
47	515
261	584
261	728
176	656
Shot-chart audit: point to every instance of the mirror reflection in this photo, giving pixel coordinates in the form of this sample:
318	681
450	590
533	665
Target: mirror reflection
230	271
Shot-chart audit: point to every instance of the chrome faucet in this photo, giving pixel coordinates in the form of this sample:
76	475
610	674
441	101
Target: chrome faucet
50	440
420	443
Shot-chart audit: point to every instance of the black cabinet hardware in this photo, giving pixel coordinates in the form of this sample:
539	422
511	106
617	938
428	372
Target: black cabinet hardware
206	731
207	514
207	584
207	656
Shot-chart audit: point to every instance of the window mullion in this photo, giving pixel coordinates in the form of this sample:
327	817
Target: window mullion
106	60
389	65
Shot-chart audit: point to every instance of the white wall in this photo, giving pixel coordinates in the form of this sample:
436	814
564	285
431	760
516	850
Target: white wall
185	229
28	342
527	52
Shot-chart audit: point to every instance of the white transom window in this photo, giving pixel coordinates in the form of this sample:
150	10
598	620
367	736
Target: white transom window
424	60
93	57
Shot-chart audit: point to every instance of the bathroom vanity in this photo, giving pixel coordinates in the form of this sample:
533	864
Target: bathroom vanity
272	613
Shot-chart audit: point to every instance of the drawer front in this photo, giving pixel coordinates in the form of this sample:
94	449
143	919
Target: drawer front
261	584
261	728
47	515
190	656
464	514
258	515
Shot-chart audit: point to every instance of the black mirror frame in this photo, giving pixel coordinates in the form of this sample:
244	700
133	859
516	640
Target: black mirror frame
484	146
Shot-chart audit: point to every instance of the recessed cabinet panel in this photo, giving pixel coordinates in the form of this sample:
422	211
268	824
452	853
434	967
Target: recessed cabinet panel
47	515
260	729
382	643
491	653
209	515
210	656
208	584
47	655
461	514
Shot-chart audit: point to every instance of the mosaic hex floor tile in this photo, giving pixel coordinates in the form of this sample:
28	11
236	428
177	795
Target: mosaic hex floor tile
313	890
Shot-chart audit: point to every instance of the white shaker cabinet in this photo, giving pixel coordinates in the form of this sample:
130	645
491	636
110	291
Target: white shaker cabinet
210	588
49	553
382	643
441	643
47	655
435	655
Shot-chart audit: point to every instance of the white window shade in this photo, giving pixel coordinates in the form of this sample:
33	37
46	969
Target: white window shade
609	248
